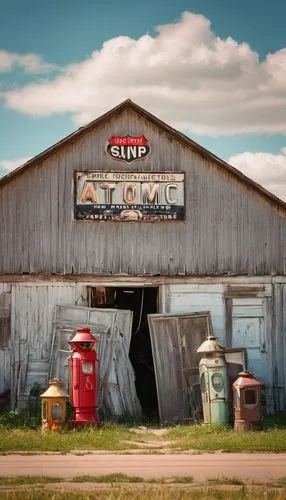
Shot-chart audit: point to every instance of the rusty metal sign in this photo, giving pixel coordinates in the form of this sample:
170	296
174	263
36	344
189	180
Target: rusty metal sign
129	196
128	148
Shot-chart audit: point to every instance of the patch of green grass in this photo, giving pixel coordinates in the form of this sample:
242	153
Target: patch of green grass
211	438
118	437
108	478
18	419
282	480
9	480
108	437
278	420
226	480
180	480
123	478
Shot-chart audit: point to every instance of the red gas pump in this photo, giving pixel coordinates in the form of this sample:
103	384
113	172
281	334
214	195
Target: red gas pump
83	377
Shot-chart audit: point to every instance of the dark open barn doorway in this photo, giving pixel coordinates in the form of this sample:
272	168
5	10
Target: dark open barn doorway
141	301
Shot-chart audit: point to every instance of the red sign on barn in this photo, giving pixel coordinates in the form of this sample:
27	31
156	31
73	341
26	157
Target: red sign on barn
128	148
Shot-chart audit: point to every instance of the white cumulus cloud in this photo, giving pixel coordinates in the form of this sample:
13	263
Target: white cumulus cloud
267	169
185	74
30	63
7	165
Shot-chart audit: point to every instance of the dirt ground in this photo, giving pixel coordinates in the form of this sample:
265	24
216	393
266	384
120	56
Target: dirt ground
259	467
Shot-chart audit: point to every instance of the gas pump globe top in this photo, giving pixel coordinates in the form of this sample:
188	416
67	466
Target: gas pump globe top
213	379
83	377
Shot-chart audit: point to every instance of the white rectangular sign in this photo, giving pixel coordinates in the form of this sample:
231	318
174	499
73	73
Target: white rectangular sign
125	196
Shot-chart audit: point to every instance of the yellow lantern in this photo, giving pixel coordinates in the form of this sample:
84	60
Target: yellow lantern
53	405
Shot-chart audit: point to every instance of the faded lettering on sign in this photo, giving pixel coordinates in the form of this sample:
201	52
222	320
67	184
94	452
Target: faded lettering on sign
128	148
129	196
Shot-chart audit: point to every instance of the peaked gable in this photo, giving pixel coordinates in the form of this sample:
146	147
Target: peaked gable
179	136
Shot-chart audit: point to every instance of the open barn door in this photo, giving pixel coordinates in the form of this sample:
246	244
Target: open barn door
175	339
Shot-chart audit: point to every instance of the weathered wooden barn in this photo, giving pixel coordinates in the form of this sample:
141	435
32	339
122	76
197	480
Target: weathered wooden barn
128	214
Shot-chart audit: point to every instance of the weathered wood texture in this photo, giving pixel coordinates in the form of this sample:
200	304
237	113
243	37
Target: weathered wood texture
196	298
243	316
5	336
174	340
279	347
5	320
32	327
229	228
33	307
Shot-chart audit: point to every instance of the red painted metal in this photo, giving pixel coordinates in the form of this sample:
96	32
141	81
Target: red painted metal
83	377
246	379
139	140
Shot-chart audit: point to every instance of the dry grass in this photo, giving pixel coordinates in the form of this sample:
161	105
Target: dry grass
158	492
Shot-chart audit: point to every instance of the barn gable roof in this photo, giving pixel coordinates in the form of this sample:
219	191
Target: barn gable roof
179	136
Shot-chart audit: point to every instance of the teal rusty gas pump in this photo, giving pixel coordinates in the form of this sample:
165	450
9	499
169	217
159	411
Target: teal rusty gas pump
213	381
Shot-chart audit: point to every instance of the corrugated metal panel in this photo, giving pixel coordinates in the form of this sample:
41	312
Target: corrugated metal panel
32	326
198	298
229	228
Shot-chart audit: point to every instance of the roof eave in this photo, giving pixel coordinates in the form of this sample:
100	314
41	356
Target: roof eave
150	117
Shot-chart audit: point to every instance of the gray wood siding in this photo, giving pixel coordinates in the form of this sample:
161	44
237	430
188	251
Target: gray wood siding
33	306
33	309
229	227
279	347
5	348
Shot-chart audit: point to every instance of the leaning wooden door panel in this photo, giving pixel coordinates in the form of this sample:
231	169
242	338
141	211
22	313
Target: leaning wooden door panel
167	357
112	327
193	330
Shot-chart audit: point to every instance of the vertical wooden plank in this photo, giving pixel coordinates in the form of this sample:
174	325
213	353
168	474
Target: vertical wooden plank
165	342
14	351
278	361
228	322
5	331
32	323
284	339
193	331
5	320
268	314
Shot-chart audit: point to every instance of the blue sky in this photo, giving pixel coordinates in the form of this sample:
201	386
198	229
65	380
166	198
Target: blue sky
223	49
